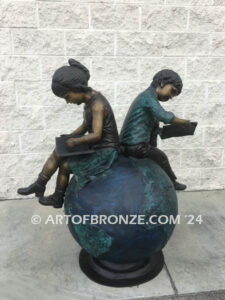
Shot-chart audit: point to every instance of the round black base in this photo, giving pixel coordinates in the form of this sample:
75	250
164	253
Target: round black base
121	275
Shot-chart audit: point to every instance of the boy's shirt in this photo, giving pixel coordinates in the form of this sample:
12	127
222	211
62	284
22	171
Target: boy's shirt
141	116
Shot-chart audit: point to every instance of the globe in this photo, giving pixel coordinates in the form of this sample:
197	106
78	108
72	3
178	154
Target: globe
137	200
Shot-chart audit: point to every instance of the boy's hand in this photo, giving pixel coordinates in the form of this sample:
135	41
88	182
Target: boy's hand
178	121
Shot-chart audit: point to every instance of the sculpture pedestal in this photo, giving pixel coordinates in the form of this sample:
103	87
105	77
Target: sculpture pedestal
121	275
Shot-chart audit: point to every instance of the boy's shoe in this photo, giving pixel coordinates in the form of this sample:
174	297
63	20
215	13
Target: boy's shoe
179	186
56	199
37	188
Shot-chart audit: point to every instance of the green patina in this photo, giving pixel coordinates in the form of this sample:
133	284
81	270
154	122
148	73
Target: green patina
159	194
89	167
94	240
139	121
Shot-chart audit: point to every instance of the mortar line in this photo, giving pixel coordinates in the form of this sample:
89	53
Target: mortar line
222	159
124	81
65	43
172	56
139	70
37	14
115	43
115	86
20	143
203	136
11	42
89	17
16	93
40	68
181	157
111	29
188	20
136	2
206	94
139	17
185	68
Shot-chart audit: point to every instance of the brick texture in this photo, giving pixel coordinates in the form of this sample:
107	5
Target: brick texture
123	43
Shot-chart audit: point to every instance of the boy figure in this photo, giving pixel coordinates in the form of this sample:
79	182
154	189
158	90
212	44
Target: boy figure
144	113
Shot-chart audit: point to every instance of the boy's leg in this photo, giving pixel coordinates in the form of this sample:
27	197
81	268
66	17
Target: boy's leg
49	168
146	150
161	158
57	198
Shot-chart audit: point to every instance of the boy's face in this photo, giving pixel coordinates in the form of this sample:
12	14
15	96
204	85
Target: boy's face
72	97
166	92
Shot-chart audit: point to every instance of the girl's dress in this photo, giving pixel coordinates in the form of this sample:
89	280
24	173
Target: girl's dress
87	167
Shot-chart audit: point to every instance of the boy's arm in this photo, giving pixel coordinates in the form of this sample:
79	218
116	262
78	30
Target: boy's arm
164	116
97	125
160	113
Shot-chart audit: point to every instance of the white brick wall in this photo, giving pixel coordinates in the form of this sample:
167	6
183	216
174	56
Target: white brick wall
123	43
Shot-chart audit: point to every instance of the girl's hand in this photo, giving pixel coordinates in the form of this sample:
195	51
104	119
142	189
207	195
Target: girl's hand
70	143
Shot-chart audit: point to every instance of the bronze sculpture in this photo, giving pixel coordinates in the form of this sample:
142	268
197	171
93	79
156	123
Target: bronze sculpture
139	131
71	83
112	179
137	137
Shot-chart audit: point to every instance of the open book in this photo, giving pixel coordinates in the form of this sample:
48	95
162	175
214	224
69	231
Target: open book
177	130
63	151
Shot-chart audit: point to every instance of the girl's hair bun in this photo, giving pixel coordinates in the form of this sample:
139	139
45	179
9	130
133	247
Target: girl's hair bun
74	63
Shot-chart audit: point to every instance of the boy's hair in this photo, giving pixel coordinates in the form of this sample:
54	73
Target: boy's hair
167	76
70	78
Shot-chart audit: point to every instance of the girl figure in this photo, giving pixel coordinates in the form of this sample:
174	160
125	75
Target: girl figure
71	83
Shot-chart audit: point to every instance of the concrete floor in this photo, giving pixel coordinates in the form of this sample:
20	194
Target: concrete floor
41	261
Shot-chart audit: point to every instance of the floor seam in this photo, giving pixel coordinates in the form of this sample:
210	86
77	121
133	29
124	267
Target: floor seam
171	280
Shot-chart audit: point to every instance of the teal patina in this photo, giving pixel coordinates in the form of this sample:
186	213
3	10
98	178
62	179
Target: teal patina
159	196
93	240
88	167
131	187
140	118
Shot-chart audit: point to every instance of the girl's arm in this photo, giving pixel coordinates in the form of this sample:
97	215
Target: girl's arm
82	129
97	125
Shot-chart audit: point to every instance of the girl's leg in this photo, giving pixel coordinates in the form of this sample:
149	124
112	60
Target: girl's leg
63	176
51	165
57	198
38	187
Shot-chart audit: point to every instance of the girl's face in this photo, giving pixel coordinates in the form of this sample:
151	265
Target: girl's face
76	98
